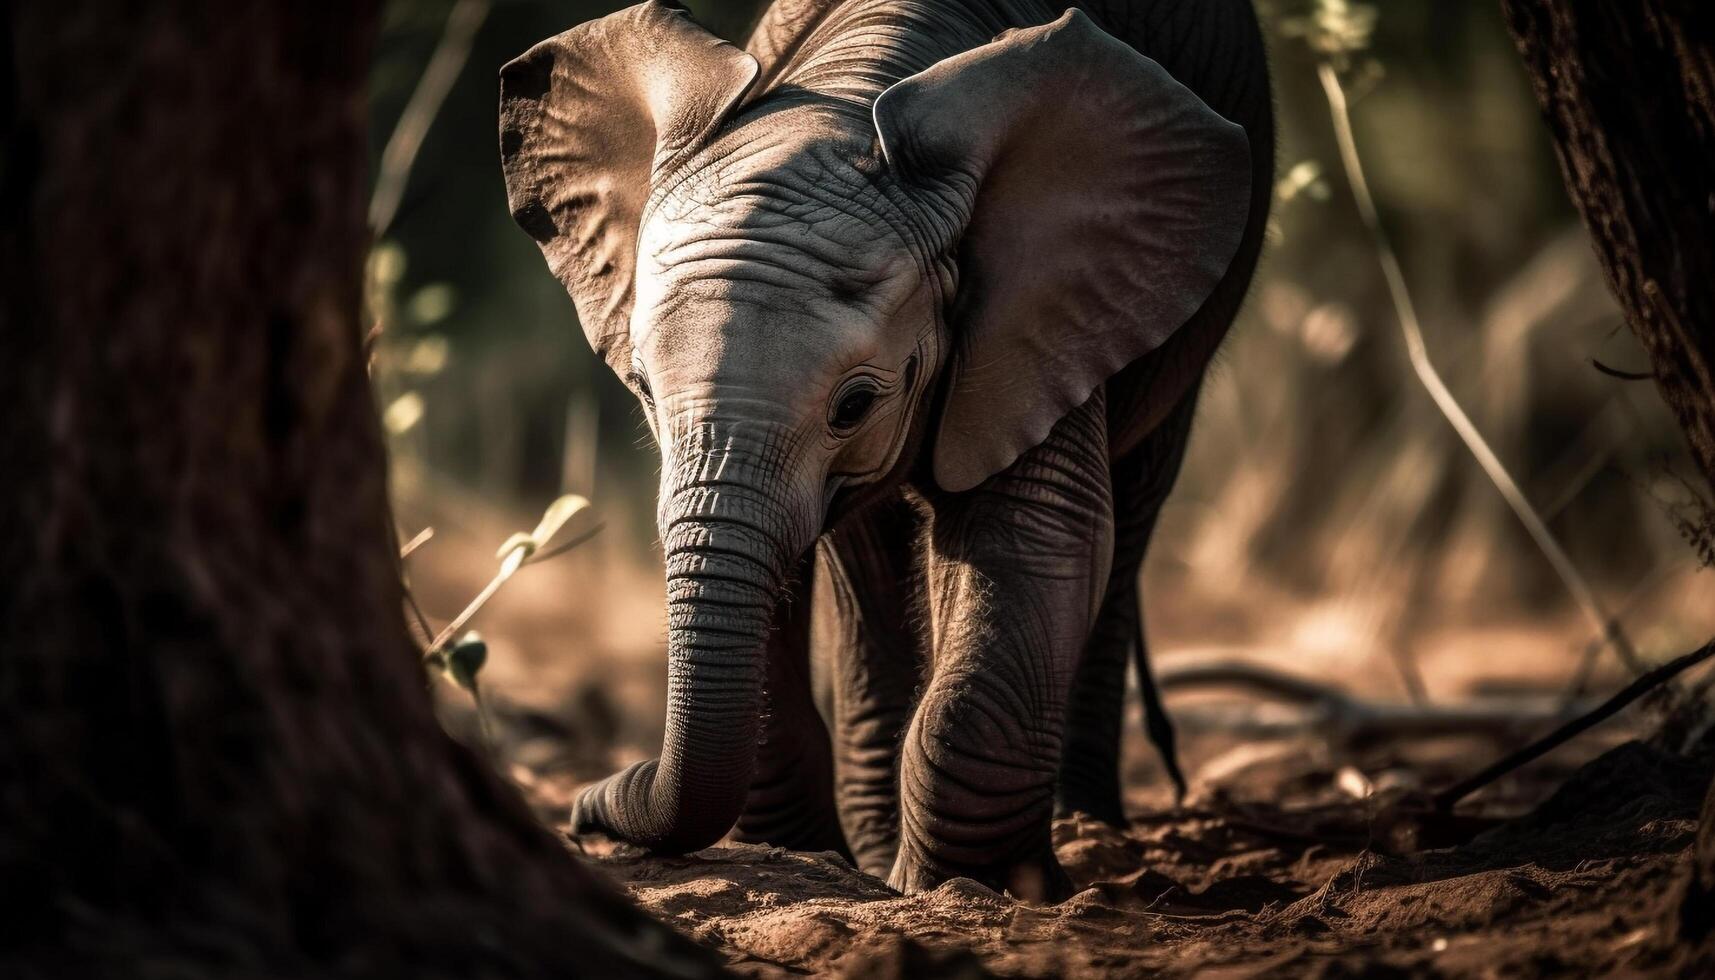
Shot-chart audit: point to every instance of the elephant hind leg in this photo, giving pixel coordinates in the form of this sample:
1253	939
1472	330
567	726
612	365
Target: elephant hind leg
1090	765
867	638
791	799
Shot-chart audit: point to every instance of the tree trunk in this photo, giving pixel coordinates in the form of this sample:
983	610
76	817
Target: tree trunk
217	753
1628	90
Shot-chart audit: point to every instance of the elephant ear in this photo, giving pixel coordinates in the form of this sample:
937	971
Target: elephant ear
588	120
1101	203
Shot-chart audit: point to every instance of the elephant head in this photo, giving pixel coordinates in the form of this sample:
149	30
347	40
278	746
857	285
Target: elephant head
803	290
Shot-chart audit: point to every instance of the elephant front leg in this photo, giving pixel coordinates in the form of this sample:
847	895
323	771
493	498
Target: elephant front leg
791	798
866	634
1016	570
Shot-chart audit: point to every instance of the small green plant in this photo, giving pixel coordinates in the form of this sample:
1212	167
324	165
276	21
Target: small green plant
460	661
460	656
518	550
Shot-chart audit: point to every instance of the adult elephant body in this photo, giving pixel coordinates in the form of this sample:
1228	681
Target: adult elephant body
916	298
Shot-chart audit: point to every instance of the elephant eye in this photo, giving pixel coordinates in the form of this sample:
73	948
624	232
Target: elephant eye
641	384
852	404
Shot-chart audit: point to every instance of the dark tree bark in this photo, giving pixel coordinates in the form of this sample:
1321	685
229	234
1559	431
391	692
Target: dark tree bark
217	753
1628	90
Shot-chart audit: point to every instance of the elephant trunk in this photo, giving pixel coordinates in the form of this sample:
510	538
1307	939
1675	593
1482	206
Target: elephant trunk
726	557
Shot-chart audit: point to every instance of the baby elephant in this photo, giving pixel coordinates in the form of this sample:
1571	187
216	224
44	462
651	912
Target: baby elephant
917	298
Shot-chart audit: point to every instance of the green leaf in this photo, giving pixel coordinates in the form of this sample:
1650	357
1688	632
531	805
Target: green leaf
556	516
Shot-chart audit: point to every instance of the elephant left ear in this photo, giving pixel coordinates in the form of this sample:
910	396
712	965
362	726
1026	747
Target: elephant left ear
1101	202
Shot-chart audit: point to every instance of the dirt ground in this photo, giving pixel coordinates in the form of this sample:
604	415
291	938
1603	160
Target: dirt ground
1296	852
1319	881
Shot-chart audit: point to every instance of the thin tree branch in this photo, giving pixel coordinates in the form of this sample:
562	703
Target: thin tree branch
1604	625
1449	797
1614	372
1337	715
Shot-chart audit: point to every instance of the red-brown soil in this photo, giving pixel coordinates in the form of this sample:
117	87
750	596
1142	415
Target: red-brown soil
1291	857
1584	884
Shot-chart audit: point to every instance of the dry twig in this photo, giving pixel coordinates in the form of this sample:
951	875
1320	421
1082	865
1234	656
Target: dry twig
1604	625
425	103
1336	714
1614	372
417	541
1449	797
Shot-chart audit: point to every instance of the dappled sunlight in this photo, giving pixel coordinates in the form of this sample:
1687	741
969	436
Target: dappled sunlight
1345	603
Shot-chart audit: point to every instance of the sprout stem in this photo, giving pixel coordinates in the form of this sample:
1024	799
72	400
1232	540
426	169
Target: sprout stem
421	538
507	569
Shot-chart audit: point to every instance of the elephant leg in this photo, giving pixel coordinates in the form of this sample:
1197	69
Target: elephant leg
1017	568
866	636
791	798
1090	764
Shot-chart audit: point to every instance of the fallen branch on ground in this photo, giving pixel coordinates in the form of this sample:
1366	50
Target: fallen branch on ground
1446	799
1341	717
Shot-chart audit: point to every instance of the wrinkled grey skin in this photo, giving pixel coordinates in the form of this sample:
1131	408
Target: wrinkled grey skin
858	380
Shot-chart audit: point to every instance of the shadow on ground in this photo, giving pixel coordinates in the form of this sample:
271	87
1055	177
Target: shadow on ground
1583	884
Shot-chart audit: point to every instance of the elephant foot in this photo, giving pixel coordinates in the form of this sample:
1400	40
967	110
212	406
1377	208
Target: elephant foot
802	828
1098	804
877	859
1038	879
977	792
870	813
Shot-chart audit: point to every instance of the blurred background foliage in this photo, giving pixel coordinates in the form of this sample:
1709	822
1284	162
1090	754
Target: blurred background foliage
1327	517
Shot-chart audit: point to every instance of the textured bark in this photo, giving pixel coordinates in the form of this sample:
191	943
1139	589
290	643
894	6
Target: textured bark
218	756
1628	92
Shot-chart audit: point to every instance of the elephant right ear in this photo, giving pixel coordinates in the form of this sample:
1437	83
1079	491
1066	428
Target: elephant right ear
588	120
